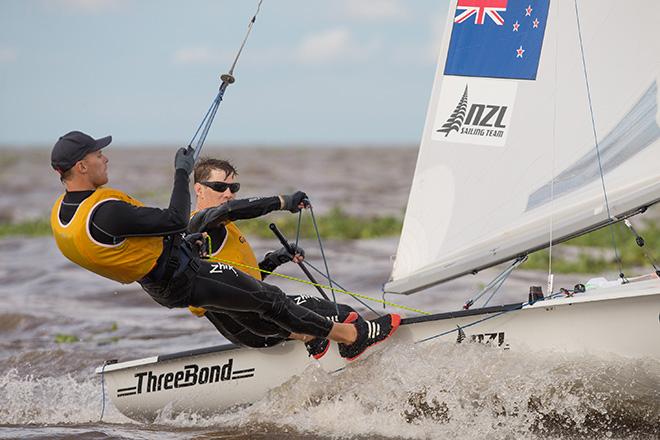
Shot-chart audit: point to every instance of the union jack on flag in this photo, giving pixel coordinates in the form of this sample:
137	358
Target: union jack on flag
481	8
503	41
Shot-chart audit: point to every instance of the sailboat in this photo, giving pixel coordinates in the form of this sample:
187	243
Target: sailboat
542	126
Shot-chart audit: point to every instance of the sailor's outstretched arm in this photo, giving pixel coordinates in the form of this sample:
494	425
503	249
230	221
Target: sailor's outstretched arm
241	209
121	219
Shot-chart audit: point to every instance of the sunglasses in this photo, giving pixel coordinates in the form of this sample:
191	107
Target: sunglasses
222	186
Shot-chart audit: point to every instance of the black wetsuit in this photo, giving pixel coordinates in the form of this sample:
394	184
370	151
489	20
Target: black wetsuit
248	328
180	278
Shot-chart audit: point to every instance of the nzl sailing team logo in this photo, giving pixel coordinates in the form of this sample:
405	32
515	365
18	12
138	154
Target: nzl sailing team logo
474	111
497	38
189	375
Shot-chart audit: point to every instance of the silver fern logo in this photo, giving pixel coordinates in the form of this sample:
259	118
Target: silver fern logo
481	115
457	116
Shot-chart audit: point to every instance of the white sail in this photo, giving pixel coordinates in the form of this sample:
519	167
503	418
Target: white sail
505	161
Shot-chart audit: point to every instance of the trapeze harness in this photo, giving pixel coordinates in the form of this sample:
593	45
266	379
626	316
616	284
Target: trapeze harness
167	268
234	247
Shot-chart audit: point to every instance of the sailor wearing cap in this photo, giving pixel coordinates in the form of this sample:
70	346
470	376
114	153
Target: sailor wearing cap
114	235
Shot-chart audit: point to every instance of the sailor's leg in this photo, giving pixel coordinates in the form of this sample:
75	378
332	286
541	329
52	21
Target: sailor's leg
223	288
231	327
334	312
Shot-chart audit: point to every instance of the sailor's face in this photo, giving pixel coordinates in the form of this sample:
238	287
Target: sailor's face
206	197
95	165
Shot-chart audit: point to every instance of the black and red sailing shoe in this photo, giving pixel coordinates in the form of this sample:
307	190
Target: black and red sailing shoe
370	333
318	347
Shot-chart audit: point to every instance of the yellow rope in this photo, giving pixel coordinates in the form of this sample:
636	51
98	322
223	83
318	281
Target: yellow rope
323	286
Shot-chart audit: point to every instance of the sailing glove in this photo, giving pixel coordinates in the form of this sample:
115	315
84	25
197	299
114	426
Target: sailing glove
184	160
198	241
292	201
276	258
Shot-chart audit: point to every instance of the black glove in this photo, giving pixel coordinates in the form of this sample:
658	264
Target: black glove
184	160
292	201
198	242
276	258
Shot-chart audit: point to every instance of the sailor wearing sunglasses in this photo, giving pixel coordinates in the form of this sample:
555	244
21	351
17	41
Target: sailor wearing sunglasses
108	232
216	209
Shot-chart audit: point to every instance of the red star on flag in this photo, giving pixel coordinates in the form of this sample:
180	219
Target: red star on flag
519	52
535	23
516	25
528	11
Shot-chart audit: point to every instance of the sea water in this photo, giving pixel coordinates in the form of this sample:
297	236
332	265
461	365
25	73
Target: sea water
58	323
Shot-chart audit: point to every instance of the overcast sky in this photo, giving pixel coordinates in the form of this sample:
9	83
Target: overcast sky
145	71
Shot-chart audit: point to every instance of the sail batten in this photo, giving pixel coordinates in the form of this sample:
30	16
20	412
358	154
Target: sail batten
484	190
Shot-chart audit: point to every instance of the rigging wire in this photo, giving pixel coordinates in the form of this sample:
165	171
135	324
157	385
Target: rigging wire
640	242
600	164
227	79
495	282
320	272
325	260
338	285
554	160
459	329
495	289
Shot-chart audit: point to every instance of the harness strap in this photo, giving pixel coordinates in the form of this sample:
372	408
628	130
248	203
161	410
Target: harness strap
172	262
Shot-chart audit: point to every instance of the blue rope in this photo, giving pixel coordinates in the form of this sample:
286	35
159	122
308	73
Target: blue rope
203	121
209	122
206	123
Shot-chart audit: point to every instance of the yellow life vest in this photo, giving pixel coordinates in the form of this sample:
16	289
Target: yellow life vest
125	262
235	248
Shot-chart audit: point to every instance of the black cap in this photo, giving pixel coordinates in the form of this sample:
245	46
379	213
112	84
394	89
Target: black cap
72	147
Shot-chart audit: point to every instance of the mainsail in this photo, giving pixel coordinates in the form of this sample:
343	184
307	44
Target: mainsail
508	155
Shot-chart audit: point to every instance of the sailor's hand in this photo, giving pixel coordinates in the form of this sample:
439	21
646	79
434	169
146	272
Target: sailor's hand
299	257
282	255
184	160
198	241
295	202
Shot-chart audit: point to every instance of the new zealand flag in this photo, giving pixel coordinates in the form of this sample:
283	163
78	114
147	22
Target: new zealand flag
497	38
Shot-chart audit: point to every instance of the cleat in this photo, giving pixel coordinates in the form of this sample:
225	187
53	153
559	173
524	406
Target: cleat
318	347
370	333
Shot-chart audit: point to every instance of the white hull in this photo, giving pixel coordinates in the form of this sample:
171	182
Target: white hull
621	320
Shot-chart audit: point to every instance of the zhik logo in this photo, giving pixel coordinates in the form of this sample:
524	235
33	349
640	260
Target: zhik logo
148	382
482	120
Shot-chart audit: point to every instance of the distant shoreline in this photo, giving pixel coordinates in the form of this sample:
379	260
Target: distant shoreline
249	146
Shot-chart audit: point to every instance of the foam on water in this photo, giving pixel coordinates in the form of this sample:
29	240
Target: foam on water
467	391
52	400
434	390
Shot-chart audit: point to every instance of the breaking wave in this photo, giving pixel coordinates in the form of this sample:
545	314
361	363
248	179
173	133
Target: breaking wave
51	400
466	391
434	390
